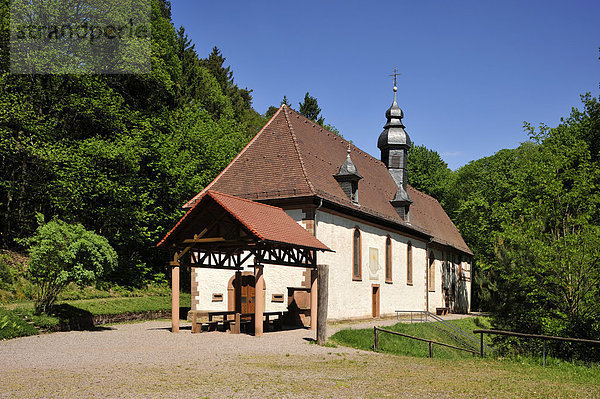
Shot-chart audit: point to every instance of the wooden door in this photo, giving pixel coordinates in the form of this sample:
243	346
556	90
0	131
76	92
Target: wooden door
375	301
248	294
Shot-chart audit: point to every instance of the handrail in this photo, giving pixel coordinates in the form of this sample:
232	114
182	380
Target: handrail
430	341
456	331
544	338
473	341
420	312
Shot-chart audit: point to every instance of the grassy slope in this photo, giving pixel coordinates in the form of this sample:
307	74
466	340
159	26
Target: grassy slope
496	377
12	323
363	339
115	305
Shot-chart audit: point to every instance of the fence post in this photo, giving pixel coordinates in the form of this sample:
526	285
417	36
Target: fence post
376	343
481	345
544	353
430	349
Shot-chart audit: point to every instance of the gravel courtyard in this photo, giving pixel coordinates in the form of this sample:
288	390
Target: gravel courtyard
145	360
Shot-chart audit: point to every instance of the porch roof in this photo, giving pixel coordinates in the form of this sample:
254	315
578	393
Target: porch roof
261	223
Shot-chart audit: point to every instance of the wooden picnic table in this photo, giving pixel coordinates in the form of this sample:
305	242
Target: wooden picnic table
223	317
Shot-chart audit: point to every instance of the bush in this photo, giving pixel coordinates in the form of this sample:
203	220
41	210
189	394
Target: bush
63	253
12	326
6	274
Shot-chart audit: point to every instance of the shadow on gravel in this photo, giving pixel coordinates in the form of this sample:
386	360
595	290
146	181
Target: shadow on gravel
168	328
73	318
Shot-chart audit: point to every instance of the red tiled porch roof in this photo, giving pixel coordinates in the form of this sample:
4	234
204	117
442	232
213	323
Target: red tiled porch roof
265	222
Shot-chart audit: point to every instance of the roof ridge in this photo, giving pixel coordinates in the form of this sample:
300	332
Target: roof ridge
243	199
425	195
212	195
189	211
197	197
295	141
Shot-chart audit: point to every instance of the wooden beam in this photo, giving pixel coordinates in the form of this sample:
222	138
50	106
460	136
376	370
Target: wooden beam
202	240
175	299
259	300
313	299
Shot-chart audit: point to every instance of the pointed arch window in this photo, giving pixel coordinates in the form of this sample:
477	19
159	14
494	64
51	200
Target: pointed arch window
409	264
388	259
356	256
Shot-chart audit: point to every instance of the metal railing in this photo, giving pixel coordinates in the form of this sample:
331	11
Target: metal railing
421	313
376	331
457	333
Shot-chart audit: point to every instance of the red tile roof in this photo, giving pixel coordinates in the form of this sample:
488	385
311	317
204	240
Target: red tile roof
293	156
267	223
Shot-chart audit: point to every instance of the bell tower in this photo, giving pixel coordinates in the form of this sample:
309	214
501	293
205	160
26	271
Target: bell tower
394	144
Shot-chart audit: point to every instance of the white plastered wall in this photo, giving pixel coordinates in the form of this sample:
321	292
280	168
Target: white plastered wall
353	299
451	270
277	280
348	298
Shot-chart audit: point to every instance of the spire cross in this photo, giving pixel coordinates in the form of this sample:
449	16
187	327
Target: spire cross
395	75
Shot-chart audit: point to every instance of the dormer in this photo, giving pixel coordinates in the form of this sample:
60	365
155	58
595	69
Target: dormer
348	178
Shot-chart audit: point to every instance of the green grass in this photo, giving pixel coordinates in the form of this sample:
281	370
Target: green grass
112	306
363	339
553	376
14	317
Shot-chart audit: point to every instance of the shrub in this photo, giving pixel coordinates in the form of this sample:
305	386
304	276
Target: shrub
6	274
63	253
11	326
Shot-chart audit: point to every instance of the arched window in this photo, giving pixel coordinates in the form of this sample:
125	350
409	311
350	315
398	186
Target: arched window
356	256
431	272
409	268
388	259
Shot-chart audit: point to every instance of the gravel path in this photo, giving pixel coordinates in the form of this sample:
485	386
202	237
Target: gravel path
147	360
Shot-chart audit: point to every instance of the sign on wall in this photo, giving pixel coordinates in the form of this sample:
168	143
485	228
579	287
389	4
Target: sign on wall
373	264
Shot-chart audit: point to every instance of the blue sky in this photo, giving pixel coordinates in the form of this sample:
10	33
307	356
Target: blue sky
472	71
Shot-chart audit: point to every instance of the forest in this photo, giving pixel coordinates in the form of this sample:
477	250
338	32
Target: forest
120	154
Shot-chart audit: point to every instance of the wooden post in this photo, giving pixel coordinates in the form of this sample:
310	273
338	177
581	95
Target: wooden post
544	354
430	349
375	338
313	298
238	320
481	345
174	296
237	289
259	300
323	278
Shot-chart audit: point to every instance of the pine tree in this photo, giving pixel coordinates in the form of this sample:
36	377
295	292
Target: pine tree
310	108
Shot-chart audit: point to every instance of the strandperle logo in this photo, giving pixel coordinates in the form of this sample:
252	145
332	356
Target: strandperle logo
80	36
84	31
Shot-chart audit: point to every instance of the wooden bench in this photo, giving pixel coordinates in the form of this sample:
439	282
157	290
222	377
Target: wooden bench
226	320
442	311
197	314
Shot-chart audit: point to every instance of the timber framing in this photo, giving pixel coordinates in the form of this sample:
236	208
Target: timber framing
223	232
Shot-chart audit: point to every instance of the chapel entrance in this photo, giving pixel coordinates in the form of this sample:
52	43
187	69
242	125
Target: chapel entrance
248	295
375	288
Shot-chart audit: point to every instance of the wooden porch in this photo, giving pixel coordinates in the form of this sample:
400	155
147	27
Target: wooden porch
225	232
